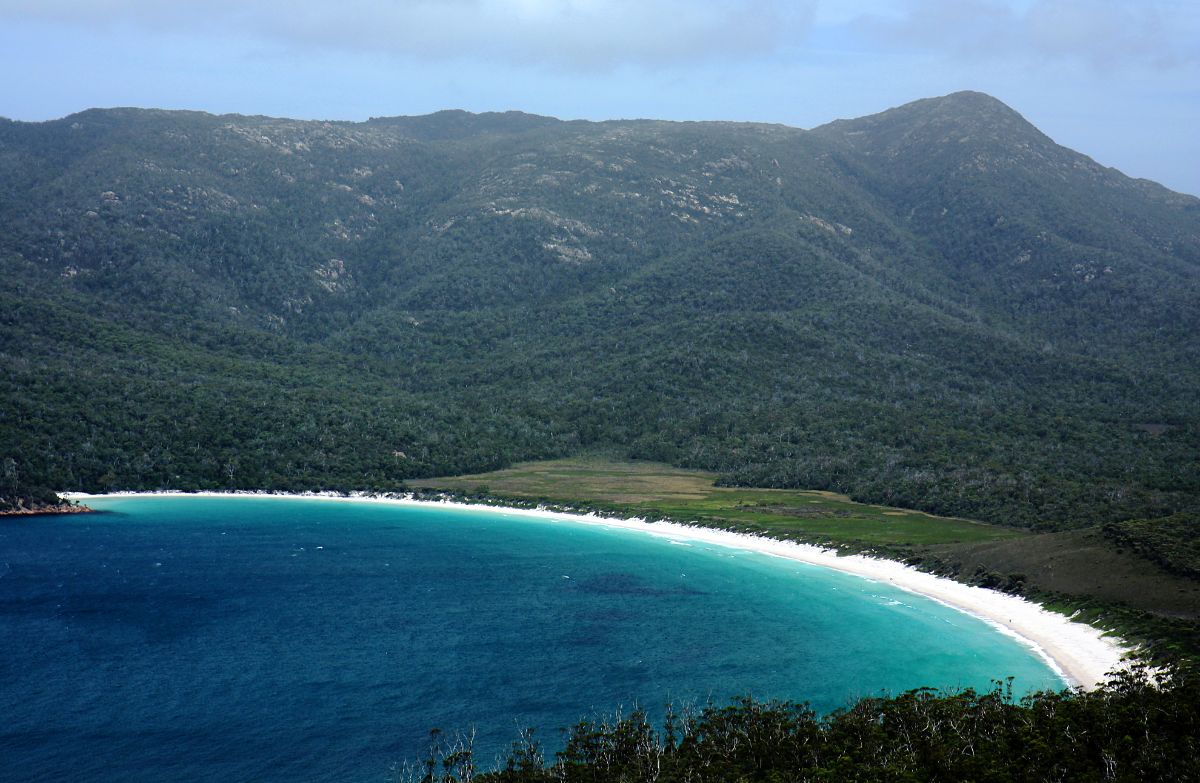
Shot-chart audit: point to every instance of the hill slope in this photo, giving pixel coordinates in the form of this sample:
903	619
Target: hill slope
934	307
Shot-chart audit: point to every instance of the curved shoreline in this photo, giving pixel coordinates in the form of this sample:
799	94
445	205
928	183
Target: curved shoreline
1080	654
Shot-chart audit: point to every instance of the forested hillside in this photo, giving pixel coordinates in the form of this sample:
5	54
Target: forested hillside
1131	730
934	307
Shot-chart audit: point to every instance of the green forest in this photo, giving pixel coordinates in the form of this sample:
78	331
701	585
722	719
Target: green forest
933	308
1132	730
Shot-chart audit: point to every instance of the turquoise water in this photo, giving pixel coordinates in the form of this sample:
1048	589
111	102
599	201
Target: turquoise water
279	639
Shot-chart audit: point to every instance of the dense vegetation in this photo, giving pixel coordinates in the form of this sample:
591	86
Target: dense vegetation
1130	730
935	307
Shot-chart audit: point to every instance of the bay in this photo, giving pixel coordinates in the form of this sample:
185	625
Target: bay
242	638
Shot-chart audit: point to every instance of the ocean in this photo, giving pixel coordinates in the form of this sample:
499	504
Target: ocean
243	638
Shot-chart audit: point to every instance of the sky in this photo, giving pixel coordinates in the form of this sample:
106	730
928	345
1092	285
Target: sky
1116	80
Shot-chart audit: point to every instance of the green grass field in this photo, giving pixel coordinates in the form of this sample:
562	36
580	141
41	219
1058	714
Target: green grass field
640	488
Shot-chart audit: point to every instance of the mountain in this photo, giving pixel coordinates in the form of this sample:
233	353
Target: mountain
935	307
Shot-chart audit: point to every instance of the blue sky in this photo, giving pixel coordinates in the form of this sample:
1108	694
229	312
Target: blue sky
1119	81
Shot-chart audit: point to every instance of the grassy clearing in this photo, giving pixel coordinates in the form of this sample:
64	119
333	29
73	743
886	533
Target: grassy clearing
640	488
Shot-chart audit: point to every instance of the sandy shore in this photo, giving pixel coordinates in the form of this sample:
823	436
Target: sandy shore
1079	653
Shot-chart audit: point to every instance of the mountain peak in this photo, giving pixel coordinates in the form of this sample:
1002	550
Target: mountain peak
969	100
972	110
962	121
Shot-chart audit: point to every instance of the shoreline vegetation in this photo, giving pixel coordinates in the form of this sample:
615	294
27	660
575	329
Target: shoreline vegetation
1079	653
40	509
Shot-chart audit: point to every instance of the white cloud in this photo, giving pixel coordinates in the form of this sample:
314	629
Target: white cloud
1100	33
574	34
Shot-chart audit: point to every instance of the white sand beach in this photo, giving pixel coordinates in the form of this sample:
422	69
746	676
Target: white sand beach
1081	654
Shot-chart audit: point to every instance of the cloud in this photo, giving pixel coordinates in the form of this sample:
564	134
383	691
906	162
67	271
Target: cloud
1101	33
572	34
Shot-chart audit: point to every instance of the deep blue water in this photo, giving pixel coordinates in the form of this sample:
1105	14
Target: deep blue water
272	639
